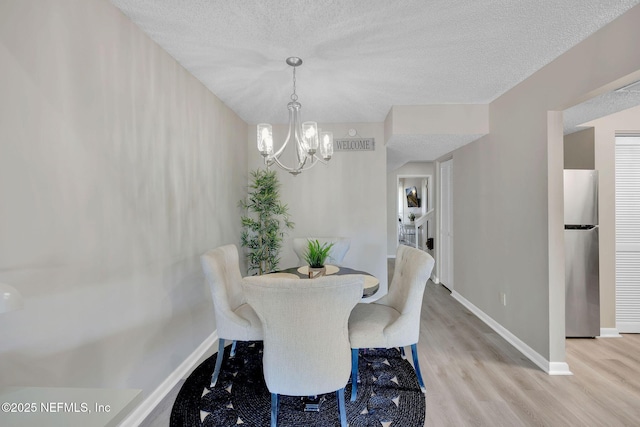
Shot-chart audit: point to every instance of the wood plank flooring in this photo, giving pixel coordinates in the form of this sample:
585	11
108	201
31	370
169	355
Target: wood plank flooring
475	378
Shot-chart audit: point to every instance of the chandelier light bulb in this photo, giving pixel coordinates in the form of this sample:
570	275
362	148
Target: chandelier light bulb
310	130
265	139
326	146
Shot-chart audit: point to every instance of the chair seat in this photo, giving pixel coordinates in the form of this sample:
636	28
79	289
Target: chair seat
253	333
393	320
367	324
235	319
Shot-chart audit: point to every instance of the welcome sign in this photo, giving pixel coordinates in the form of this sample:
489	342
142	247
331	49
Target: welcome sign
354	144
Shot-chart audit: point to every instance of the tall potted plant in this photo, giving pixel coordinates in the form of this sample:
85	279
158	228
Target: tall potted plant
264	222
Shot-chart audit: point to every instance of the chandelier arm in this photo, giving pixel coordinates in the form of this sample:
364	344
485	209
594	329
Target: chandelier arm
286	141
318	159
298	135
301	166
314	161
287	168
296	170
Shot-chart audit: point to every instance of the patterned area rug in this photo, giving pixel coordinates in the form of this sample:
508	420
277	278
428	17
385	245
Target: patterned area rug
388	395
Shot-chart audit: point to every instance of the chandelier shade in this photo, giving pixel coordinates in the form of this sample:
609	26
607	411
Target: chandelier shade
305	135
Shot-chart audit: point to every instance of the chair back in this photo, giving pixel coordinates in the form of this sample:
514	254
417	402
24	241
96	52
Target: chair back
222	270
305	327
412	270
337	253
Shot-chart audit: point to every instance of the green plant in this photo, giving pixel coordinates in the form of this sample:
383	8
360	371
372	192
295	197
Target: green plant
412	216
317	254
263	223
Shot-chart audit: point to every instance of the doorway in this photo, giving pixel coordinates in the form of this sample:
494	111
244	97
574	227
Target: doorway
414	210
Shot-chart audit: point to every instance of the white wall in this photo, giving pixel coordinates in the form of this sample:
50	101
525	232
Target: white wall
508	201
117	170
346	197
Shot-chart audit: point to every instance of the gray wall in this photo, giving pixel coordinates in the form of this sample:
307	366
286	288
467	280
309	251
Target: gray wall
508	201
579	150
117	170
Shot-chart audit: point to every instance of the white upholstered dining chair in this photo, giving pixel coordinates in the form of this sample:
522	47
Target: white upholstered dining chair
393	320
306	340
235	319
336	254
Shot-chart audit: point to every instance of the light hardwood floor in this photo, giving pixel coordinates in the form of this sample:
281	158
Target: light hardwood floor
475	378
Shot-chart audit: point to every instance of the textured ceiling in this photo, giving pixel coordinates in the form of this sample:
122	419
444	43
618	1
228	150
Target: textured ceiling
603	105
363	56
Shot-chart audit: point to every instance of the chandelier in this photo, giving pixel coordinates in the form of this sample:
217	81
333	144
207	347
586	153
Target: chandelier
305	136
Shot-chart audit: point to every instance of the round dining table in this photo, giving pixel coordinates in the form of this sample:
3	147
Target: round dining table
371	283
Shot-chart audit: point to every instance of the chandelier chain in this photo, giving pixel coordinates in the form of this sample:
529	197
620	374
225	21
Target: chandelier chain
294	97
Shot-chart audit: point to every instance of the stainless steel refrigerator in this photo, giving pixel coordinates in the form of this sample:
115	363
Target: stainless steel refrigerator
582	282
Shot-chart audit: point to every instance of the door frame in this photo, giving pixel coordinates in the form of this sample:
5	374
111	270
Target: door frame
427	206
439	213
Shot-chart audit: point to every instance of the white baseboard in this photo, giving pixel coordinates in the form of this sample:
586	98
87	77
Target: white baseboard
609	333
628	327
559	368
137	416
551	368
435	279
